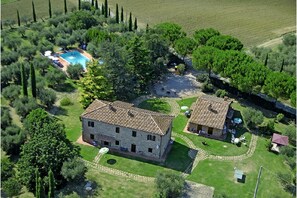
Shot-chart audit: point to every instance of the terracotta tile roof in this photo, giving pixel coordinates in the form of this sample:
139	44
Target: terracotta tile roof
210	111
125	115
280	139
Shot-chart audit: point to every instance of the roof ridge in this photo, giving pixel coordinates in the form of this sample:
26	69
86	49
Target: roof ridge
95	108
156	123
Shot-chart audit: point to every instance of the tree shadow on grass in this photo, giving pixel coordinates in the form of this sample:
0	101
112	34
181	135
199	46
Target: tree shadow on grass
56	110
64	87
79	188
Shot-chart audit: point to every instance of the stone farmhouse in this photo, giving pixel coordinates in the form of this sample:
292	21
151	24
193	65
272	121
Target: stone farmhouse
210	117
127	129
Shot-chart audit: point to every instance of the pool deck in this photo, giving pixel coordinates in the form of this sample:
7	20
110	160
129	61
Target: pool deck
66	64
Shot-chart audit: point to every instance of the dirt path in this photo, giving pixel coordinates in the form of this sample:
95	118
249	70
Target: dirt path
274	42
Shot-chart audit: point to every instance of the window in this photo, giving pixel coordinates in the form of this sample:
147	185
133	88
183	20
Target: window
151	137
117	130
92	136
90	124
150	150
117	142
134	133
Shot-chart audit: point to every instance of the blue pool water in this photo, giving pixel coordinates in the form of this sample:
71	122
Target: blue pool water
75	57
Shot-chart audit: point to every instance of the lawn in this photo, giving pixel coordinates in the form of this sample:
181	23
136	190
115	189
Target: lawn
88	152
177	160
186	102
219	174
9	8
156	104
252	22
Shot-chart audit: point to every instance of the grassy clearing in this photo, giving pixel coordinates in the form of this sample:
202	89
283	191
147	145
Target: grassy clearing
158	105
9	8
219	174
252	22
186	102
88	152
177	160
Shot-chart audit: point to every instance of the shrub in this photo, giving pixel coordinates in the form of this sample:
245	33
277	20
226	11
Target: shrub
74	170
252	117
24	105
181	69
7	170
287	151
47	97
221	93
202	78
291	133
293	98
279	117
65	102
12	139
75	71
207	87
12	187
11	92
169	184
5	118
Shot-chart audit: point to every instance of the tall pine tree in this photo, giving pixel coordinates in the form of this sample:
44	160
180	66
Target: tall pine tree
135	24
37	184
24	80
79	4
122	14
18	16
96	5
65	7
147	28
109	12
130	22
92	3
117	14
50	8
102	9
266	60
34	13
282	66
106	9
51	184
33	80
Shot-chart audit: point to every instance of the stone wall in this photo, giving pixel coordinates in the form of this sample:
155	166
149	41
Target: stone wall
106	132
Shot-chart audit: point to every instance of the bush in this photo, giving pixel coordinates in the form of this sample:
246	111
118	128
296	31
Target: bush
12	139
181	69
11	92
207	87
7	170
291	133
169	184
221	93
74	170
55	77
202	78
287	151
5	118
293	98
24	105
268	127
12	187
47	97
252	117
65	102
279	117
75	71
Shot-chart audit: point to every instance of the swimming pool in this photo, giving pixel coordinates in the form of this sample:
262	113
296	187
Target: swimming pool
75	57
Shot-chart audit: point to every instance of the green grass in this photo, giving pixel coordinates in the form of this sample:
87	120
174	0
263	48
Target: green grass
88	152
25	8
186	102
69	115
219	174
252	22
177	160
156	104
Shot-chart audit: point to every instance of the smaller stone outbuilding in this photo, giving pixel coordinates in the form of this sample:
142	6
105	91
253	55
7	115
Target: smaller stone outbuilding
278	141
127	129
210	117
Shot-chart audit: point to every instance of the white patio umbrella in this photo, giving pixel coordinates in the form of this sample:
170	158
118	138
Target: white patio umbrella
47	53
51	57
55	58
104	150
184	108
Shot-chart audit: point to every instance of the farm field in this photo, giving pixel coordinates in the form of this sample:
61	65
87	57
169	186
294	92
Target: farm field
252	22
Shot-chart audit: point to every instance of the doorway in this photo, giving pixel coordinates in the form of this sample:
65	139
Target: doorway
133	148
210	131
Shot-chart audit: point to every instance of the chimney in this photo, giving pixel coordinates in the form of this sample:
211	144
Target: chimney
111	107
209	107
130	113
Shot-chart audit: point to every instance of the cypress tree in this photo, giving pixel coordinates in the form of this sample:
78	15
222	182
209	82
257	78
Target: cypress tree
50	8
18	16
282	66
122	14
34	13
79	4
266	60
106	9
147	28
24	80
135	24
37	183
130	22
102	9
92	2
33	80
51	184
117	14
65	7
96	5
109	12
1	26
